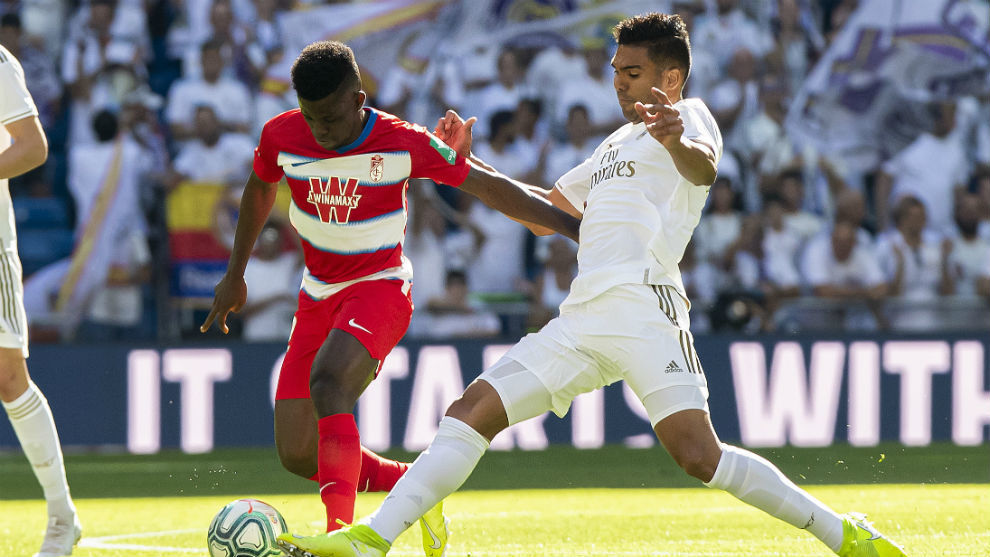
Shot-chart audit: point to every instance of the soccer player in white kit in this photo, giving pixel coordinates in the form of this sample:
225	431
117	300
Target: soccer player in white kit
639	196
23	146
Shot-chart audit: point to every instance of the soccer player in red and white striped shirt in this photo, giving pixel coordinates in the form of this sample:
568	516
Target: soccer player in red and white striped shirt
348	167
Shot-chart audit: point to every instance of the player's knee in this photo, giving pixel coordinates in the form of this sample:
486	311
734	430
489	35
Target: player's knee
298	460
331	395
696	462
481	408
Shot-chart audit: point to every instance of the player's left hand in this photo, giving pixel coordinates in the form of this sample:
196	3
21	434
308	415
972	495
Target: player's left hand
456	132
662	120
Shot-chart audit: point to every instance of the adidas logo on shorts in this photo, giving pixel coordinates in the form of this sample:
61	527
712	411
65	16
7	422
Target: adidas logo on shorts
672	367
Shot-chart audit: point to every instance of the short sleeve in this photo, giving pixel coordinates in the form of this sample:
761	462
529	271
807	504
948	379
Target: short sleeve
434	159
15	100
700	125
575	184
266	156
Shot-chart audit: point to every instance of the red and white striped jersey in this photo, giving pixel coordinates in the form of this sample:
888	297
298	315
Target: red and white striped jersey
349	205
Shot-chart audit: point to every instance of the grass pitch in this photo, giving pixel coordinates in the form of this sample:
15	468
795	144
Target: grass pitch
607	502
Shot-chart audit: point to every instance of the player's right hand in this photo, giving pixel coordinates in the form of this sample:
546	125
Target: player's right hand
229	295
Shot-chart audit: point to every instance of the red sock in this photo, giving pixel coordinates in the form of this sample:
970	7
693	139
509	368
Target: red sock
379	473
339	462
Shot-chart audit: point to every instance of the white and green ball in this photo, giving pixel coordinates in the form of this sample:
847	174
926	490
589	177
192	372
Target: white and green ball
245	528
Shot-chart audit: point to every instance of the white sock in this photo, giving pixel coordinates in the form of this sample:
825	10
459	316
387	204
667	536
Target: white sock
32	420
756	481
437	472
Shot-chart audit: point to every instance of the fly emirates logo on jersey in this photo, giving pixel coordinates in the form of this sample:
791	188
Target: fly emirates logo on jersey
334	199
610	166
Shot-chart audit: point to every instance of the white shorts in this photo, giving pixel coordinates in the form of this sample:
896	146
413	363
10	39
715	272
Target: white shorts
634	332
13	321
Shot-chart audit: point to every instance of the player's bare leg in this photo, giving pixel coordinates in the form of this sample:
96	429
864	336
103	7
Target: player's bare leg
31	418
296	437
341	370
690	439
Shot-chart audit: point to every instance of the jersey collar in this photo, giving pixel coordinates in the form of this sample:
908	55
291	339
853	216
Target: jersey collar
368	124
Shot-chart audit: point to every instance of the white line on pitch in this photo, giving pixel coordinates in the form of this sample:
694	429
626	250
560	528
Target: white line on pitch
101	542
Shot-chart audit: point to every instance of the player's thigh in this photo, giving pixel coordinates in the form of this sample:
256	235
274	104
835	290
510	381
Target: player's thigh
643	339
544	371
376	313
310	326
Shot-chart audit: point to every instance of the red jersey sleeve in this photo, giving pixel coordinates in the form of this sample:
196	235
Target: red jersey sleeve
434	159
266	156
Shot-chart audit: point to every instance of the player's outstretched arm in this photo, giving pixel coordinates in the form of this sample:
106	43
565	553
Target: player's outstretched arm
230	293
28	150
519	202
693	160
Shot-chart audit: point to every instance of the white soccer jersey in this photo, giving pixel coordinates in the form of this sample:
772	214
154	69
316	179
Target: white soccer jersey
638	211
15	103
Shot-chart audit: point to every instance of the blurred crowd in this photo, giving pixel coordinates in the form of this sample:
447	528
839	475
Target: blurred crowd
146	94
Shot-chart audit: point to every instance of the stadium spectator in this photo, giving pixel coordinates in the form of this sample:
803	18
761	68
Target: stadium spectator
837	268
503	94
39	68
797	220
719	226
914	261
454	314
532	129
501	146
99	67
578	145
933	168
720	34
967	254
230	99
213	155
558	257
273	275
108	181
735	99
592	88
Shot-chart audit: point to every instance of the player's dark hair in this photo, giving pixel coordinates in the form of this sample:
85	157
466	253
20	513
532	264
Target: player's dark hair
105	125
665	37
322	67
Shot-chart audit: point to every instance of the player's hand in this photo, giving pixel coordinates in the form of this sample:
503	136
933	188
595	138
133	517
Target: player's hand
662	120
456	132
229	295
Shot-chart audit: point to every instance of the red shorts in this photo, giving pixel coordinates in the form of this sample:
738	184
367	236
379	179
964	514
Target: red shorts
375	312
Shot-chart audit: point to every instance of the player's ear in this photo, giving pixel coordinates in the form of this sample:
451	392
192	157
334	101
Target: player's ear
673	78
361	97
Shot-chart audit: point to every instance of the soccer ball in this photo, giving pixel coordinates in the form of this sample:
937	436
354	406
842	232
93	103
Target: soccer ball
245	528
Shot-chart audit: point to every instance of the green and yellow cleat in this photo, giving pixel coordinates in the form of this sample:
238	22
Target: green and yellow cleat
358	540
435	533
861	539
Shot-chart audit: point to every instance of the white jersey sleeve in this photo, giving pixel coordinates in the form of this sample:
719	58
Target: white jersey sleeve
15	100
575	185
700	125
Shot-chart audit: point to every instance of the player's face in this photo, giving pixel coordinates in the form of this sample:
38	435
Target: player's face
335	120
635	74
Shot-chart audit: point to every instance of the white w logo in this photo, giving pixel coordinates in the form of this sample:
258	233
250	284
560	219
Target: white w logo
333	199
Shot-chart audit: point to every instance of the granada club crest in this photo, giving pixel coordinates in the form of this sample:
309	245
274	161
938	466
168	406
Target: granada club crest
377	168
334	199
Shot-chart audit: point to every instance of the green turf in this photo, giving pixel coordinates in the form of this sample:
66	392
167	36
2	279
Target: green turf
929	520
233	472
